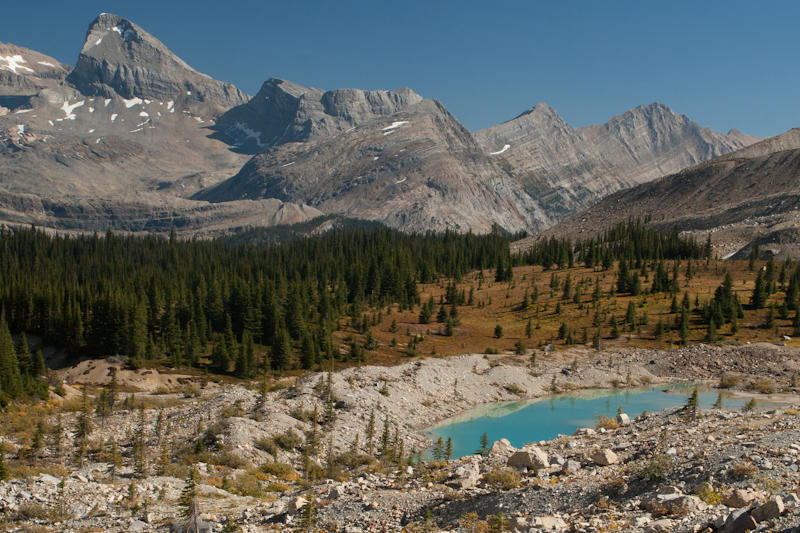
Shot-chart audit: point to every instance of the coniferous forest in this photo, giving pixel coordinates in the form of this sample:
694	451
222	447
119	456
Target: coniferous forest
209	303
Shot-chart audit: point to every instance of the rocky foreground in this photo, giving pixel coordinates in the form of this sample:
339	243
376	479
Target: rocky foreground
678	470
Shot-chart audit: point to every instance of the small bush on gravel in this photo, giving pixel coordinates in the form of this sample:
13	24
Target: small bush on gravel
658	468
728	381
707	493
761	385
606	422
32	511
288	441
502	478
743	470
281	470
266	444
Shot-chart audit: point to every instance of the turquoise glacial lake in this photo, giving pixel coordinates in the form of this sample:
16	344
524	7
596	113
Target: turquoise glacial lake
546	418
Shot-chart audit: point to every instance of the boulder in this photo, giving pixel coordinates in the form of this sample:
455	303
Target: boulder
336	492
740	497
772	509
663	525
790	500
296	504
571	466
538	456
604	457
623	419
502	447
466	476
549	523
739	522
531	457
674	504
584	431
137	525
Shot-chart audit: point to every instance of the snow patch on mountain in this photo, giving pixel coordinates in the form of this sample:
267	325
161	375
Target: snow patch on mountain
68	109
13	63
502	150
395	125
132	102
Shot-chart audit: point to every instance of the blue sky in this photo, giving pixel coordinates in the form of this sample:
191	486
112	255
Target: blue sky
725	64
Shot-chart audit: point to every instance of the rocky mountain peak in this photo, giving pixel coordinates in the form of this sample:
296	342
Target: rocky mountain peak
120	57
284	112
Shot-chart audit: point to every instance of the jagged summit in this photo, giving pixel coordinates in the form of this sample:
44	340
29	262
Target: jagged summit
417	169
120	57
740	197
568	169
284	111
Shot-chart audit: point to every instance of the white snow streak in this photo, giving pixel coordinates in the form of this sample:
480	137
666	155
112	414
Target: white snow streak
170	104
505	147
401	181
114	117
288	164
13	63
45	63
395	125
68	108
385	133
132	102
143	114
107	101
21	111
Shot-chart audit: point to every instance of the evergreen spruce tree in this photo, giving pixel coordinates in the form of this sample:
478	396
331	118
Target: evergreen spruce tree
371	432
188	499
692	404
758	299
307	519
4	475
484	449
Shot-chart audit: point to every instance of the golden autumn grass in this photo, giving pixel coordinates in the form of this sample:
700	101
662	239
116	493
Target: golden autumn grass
499	304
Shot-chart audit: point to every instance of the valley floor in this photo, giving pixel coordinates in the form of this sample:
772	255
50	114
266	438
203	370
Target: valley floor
642	476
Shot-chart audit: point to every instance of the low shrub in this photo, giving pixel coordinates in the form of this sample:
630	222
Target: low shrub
728	382
743	470
761	385
606	422
502	478
280	470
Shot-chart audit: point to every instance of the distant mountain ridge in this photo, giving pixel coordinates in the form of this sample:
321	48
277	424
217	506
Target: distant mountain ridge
751	194
568	169
417	170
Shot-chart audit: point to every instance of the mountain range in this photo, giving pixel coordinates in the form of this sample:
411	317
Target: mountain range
747	197
133	138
